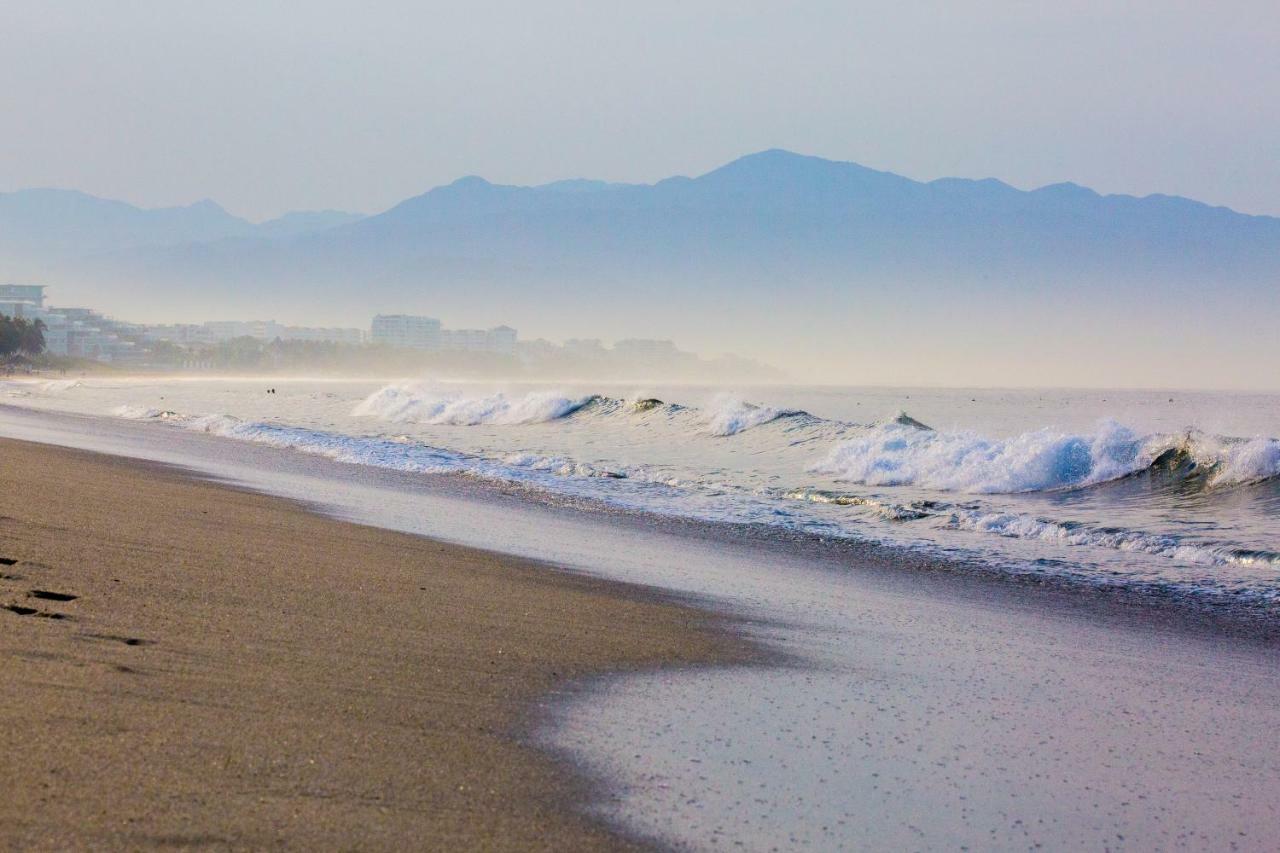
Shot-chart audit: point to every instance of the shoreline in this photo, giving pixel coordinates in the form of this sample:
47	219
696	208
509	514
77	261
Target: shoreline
1124	604
896	655
226	675
1213	573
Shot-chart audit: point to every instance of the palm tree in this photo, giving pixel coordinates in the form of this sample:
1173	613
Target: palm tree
31	337
9	336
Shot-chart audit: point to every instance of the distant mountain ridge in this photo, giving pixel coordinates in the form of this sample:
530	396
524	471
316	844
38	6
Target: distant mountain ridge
777	181
794	252
778	217
70	221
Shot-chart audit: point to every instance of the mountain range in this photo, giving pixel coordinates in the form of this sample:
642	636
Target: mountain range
780	249
54	222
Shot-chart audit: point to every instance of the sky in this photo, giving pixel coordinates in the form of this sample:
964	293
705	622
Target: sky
270	106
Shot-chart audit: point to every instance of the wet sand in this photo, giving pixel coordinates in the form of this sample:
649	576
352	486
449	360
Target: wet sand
187	664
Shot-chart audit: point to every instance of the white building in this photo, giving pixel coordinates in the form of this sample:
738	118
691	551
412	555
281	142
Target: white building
587	349
424	333
77	332
83	333
500	340
218	331
540	349
643	349
22	300
330	335
225	330
57	334
406	331
183	334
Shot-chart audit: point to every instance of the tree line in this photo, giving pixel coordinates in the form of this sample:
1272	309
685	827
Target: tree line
368	359
19	336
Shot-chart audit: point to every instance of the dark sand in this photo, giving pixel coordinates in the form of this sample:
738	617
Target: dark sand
235	671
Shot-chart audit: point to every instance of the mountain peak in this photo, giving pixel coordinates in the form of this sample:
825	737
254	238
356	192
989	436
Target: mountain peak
777	167
776	159
207	206
1067	189
468	182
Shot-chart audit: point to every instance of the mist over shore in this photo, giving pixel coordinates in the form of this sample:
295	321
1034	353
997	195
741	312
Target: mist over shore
829	270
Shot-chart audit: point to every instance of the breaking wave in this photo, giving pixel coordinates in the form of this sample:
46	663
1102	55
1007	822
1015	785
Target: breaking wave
420	404
412	403
25	387
897	454
729	416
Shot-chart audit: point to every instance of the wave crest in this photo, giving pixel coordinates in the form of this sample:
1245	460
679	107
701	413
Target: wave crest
412	403
1239	462
728	415
895	454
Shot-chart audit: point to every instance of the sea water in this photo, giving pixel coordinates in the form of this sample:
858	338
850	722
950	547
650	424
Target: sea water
1178	490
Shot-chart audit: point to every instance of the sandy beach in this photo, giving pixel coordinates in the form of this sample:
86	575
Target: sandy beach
187	664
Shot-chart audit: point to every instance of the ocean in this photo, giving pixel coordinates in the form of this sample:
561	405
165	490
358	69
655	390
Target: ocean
1176	491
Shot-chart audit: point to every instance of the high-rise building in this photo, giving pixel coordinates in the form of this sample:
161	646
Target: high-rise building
500	340
644	349
21	300
407	331
218	331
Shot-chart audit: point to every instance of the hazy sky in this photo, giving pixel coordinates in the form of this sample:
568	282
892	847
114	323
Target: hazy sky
267	106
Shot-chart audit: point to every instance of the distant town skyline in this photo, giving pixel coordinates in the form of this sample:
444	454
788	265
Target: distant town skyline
355	108
89	332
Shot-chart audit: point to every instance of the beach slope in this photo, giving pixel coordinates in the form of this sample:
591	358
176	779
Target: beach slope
186	664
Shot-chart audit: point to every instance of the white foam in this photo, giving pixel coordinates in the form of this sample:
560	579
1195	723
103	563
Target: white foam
1023	526
142	413
727	415
57	386
27	387
416	403
894	454
1239	462
560	466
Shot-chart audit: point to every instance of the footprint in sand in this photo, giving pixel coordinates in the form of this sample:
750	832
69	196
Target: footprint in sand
116	638
43	595
49	595
31	611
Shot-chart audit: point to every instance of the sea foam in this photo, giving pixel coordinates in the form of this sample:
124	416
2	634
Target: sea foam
895	454
416	403
1239	462
1025	526
727	415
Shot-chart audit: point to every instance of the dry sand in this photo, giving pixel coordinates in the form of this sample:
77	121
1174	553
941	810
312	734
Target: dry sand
236	671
